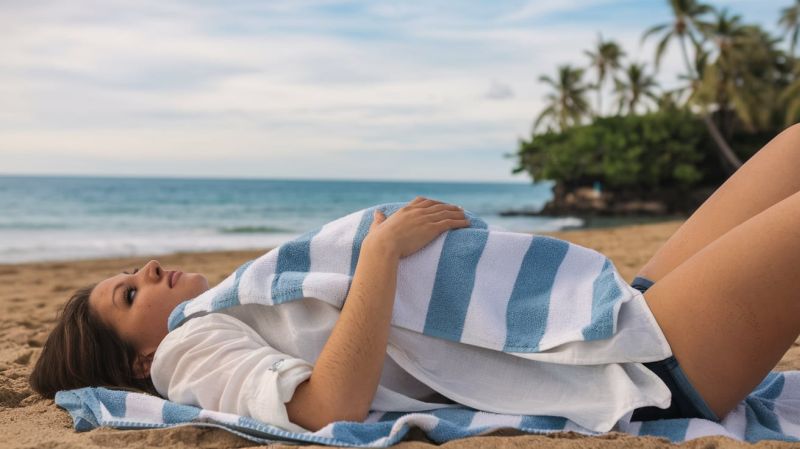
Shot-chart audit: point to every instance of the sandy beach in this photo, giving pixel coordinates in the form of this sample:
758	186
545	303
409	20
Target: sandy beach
31	294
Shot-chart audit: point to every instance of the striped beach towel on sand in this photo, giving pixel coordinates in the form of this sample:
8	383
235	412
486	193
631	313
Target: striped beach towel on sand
449	289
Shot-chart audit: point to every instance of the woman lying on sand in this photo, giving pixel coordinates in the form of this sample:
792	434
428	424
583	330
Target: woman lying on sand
721	289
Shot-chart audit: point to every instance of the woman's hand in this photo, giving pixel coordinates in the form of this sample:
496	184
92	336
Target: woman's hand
415	225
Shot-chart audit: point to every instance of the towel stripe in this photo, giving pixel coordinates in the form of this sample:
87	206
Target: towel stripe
455	278
253	283
672	429
544	422
295	254
529	305
493	286
450	420
228	297
573	287
605	305
367	217
173	413
294	261
414	274
341	234
116	406
769	388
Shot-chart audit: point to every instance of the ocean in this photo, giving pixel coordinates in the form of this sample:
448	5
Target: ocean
70	217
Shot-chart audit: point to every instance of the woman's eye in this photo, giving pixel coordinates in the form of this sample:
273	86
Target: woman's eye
128	297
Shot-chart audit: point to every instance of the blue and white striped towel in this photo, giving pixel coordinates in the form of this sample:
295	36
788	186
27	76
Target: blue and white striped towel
770	412
504	291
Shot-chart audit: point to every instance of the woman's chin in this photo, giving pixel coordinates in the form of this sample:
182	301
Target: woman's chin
202	282
195	284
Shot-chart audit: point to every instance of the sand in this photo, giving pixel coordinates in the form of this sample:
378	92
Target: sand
31	293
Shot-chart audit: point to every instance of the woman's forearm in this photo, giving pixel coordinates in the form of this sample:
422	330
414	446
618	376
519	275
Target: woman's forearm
346	374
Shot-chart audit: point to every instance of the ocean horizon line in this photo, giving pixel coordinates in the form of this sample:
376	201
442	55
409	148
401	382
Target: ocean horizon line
234	178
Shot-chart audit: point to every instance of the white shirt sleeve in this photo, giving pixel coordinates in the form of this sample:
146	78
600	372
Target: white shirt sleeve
217	362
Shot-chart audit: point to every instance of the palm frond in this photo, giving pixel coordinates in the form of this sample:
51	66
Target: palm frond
653	30
661	47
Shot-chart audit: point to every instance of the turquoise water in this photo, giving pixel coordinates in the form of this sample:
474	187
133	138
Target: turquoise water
57	218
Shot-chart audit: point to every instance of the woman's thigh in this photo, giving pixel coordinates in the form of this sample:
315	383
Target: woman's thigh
769	176
732	310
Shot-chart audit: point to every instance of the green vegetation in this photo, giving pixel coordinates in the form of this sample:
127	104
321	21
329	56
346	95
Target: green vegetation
623	152
739	89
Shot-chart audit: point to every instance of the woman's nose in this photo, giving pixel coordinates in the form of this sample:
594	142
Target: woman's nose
154	269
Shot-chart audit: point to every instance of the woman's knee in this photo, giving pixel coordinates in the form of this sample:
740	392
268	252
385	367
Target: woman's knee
793	132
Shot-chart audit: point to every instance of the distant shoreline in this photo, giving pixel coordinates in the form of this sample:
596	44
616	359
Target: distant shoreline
601	222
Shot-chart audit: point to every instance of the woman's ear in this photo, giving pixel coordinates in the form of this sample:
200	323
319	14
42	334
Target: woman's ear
141	366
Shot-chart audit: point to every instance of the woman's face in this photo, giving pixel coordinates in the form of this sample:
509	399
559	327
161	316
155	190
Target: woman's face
137	305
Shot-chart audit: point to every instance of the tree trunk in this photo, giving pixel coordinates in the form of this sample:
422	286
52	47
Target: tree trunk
686	58
725	150
559	192
726	153
599	100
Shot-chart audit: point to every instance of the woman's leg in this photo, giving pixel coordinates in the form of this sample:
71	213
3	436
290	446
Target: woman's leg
769	176
732	310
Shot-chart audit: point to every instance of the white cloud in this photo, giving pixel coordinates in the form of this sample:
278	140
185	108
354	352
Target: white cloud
268	80
499	91
536	9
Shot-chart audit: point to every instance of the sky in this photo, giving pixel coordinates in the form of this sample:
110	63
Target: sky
300	89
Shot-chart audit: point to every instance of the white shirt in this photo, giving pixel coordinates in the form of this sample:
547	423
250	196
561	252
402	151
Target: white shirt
229	361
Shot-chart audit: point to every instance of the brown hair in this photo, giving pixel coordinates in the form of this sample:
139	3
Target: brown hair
82	351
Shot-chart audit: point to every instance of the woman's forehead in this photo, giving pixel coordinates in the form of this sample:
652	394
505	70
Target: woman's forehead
101	297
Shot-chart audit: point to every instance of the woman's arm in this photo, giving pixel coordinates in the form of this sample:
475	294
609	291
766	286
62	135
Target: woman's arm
346	374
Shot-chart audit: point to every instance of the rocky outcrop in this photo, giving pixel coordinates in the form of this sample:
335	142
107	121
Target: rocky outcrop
589	202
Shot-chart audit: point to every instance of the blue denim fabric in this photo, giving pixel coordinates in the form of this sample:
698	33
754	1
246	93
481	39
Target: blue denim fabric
686	401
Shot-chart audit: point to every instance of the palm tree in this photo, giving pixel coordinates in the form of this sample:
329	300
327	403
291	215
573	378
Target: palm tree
636	86
746	78
685	24
761	74
686	20
605	60
567	104
728	37
725	31
790	21
693	84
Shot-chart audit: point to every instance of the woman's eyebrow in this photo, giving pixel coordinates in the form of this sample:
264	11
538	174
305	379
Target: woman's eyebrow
113	295
113	292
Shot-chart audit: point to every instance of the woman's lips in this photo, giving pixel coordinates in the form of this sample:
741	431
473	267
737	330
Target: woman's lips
174	279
